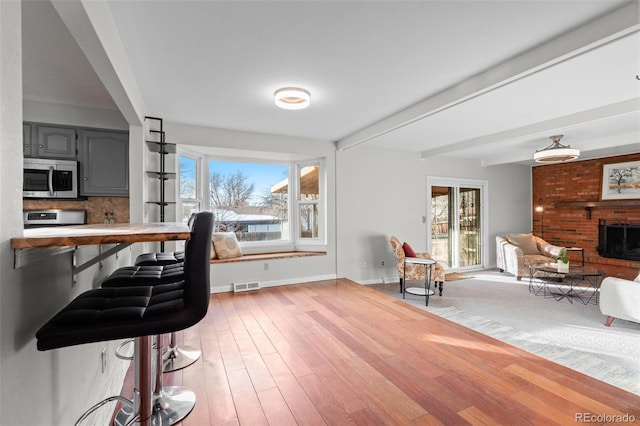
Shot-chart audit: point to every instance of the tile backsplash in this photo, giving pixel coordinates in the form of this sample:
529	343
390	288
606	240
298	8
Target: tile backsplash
96	207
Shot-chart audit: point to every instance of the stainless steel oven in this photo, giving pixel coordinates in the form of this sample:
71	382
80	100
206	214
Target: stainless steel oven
53	217
48	178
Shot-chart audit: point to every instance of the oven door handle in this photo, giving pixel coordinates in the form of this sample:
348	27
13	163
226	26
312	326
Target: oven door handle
51	169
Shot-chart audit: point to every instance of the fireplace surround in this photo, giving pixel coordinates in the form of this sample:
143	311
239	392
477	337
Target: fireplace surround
619	240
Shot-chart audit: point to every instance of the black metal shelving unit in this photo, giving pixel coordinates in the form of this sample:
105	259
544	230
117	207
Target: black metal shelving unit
162	148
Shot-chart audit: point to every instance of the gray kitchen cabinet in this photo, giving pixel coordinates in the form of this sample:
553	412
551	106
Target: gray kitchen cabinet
26	140
55	142
104	163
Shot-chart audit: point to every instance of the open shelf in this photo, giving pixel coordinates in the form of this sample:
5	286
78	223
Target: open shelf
162	147
161	175
161	203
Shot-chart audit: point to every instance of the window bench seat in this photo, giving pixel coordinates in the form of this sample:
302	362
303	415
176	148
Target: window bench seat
269	256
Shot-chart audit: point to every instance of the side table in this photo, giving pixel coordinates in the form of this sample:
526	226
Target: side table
580	249
419	291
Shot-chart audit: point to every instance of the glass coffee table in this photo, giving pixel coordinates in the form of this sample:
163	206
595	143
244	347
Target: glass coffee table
581	283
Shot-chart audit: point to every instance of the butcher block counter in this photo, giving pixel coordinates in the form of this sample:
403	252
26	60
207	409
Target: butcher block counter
81	235
39	243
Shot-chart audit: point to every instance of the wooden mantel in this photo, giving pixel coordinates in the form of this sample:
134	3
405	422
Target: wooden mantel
588	205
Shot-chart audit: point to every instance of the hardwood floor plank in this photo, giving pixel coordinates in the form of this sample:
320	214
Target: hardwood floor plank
402	403
245	399
330	409
301	407
587	402
275	408
195	380
365	417
218	398
335	352
339	386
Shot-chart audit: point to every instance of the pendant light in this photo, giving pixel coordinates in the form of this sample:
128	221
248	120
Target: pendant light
556	152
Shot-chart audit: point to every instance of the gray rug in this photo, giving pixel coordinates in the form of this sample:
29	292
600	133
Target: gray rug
570	334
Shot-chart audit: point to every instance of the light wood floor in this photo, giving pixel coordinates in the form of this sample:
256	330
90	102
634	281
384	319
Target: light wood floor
337	353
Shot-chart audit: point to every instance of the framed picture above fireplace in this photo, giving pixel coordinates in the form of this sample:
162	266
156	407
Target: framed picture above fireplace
621	181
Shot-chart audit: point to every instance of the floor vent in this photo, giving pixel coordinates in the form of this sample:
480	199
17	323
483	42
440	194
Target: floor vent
240	287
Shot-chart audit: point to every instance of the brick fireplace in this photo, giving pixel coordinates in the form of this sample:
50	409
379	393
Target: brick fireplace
572	207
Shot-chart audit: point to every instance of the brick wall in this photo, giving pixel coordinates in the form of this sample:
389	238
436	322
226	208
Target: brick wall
569	226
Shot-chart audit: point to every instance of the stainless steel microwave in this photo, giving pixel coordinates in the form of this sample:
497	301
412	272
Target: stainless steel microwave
49	178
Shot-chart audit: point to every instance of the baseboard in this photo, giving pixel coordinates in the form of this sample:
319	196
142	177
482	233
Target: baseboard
263	284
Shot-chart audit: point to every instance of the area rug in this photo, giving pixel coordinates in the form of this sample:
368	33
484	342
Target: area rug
570	334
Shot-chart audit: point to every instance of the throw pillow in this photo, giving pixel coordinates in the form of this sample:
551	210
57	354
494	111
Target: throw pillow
226	245
408	251
525	242
213	250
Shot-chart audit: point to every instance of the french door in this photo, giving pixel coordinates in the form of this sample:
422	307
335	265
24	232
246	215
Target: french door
456	209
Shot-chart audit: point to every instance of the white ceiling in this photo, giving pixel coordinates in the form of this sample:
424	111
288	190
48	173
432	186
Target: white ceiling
488	80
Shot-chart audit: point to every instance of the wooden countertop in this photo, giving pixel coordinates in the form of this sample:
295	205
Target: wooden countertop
80	235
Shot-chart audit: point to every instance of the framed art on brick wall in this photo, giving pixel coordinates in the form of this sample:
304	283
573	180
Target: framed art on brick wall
621	181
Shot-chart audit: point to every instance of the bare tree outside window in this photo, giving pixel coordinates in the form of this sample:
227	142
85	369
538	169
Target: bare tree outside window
238	206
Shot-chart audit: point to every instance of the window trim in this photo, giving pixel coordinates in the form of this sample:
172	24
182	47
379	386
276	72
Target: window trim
320	240
186	153
294	242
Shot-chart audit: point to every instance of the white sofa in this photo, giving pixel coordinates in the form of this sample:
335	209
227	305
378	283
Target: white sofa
516	252
620	298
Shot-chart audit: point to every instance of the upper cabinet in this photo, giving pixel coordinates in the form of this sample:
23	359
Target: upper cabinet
103	154
48	141
104	163
26	140
55	142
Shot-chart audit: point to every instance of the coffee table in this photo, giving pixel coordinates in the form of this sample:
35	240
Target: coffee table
581	283
419	291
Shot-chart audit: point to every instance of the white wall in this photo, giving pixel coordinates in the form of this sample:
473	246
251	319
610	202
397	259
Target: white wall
45	112
53	387
384	192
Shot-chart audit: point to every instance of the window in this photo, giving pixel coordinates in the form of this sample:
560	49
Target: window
308	199
190	199
247	198
256	201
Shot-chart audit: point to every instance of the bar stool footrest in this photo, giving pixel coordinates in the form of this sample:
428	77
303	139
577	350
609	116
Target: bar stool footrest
125	401
172	405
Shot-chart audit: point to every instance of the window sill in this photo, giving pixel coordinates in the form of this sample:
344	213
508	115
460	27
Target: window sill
269	256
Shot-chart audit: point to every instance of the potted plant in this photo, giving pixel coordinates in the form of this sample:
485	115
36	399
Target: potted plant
563	261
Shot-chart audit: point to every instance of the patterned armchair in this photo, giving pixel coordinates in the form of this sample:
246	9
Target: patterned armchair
416	272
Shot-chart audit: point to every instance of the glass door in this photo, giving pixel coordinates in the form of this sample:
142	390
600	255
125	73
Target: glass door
456	231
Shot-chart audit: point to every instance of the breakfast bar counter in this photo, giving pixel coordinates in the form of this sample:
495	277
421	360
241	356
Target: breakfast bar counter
80	235
38	243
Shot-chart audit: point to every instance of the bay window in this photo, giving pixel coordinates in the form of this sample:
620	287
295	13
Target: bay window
267	204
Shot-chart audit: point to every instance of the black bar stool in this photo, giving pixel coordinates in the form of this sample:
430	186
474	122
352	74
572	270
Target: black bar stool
175	357
156	269
141	312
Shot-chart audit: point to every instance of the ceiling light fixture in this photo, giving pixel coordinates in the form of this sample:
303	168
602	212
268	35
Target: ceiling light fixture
556	152
292	98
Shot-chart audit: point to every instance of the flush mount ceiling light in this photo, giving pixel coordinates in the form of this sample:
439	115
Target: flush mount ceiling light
292	98
556	152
